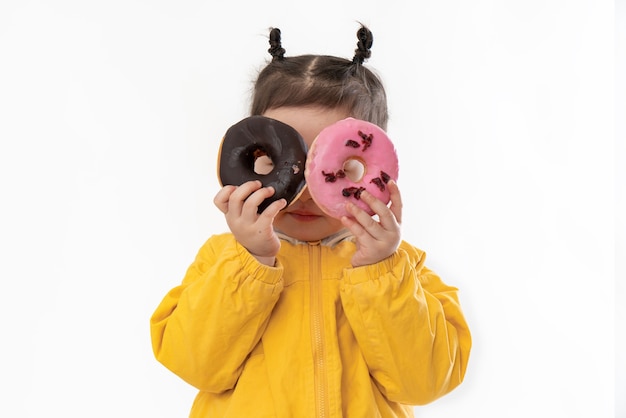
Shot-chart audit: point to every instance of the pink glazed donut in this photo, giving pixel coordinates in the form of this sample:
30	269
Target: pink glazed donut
346	158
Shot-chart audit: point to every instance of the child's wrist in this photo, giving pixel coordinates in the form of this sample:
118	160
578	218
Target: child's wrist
268	261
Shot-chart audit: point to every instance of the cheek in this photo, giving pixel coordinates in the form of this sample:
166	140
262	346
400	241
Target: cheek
279	218
335	224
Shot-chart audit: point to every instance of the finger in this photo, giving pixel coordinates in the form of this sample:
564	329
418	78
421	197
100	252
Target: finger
386	217
272	210
221	198
375	204
353	226
366	222
252	203
238	197
396	200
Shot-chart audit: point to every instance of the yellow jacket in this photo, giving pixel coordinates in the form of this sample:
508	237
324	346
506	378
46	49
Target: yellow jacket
312	336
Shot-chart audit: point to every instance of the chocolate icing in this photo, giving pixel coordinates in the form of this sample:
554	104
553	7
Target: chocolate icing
260	135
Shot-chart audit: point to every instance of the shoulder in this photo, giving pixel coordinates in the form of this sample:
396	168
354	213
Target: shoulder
216	244
416	255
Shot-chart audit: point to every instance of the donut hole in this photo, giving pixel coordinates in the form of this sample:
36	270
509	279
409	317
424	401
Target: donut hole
260	161
263	165
354	169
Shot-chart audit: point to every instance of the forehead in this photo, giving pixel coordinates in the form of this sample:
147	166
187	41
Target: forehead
308	121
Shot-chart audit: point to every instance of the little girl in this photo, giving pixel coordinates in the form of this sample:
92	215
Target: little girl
297	314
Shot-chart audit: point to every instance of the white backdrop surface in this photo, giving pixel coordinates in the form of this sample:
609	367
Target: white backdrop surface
110	118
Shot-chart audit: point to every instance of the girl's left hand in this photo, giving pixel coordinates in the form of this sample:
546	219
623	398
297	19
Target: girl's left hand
375	240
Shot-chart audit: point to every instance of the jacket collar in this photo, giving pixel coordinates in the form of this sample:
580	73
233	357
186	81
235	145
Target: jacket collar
329	241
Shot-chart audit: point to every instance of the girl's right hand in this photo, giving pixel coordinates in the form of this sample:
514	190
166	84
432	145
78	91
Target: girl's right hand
251	229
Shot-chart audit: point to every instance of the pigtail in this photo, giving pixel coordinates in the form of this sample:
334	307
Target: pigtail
276	49
321	80
362	52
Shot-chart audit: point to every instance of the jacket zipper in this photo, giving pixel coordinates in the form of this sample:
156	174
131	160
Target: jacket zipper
317	333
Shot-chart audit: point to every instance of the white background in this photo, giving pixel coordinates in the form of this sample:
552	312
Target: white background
503	113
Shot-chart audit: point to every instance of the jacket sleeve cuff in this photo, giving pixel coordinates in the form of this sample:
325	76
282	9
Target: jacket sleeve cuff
253	268
375	271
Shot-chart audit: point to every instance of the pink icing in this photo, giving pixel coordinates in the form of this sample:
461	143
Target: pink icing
338	143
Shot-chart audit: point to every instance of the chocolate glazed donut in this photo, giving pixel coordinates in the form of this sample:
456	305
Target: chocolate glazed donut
258	136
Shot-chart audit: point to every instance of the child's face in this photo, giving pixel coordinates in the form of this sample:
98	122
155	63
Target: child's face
303	219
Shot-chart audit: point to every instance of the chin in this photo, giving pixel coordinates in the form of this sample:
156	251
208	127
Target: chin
313	235
306	228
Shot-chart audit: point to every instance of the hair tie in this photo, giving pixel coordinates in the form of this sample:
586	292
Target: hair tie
276	49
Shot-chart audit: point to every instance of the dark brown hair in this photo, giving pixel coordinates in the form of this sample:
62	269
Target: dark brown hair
322	80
